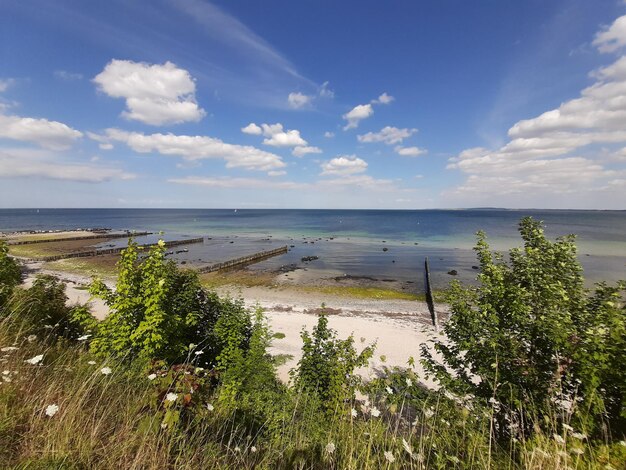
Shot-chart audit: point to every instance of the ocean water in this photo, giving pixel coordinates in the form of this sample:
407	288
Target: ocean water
351	242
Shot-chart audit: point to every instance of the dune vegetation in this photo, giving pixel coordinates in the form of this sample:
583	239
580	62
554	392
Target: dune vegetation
529	368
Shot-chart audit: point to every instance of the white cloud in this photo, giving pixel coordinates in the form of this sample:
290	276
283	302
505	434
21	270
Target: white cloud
389	135
302	151
276	173
155	94
538	164
5	83
410	151
297	100
48	134
325	91
198	147
252	129
329	135
356	115
16	163
67	76
228	183
275	135
383	99
613	37
344	165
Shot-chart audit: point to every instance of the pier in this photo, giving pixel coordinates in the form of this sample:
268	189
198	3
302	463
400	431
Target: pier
244	260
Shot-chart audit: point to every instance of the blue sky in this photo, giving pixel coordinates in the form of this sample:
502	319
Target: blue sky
283	104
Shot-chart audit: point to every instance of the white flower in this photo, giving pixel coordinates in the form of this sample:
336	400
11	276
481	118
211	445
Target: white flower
31	338
389	456
197	353
6	378
429	413
389	390
375	412
161	243
353	413
409	382
91	363
237	449
567	427
35	360
407	447
622	443
579	435
6	372
420	457
51	410
9	349
105	370
453	459
253	449
210	407
558	439
83	338
171	397
577	451
163	425
330	448
152	377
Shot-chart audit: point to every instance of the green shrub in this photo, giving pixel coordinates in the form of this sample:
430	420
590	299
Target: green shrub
529	337
327	365
10	275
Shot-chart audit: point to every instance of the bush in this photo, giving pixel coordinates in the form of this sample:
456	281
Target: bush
10	275
529	337
327	365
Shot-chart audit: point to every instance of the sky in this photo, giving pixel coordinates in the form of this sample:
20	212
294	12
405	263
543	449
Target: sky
405	104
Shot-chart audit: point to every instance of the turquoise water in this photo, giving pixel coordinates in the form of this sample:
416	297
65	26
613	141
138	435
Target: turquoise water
445	236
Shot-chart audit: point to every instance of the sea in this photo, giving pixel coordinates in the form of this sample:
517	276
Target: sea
388	245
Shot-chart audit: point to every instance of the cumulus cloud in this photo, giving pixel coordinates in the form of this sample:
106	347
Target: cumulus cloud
389	135
30	163
193	148
52	135
612	38
155	94
252	129
410	151
329	135
344	165
302	151
539	162
383	99
5	83
356	115
67	76
298	100
276	135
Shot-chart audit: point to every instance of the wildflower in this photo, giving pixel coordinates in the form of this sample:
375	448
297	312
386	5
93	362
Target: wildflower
6	378
92	363
622	443
152	377
375	412
171	397
389	456
35	360
577	451
83	338
407	447
454	459
419	457
389	390
237	449
197	353
567	427
330	448
409	382
210	407
353	413
105	370
429	413
161	243
9	349
31	338
6	372
253	449
559	439
51	410
579	435
563	454
163	425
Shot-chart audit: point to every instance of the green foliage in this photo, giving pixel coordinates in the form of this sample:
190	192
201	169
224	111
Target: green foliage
529	336
42	310
327	365
10	275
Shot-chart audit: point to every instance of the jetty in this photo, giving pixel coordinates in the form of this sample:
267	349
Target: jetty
82	237
113	251
244	260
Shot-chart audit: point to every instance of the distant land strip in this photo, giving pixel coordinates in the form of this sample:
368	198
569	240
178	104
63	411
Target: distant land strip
83	237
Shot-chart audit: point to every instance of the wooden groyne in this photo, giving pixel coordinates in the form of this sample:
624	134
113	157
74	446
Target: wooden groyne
244	260
83	237
429	294
113	251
